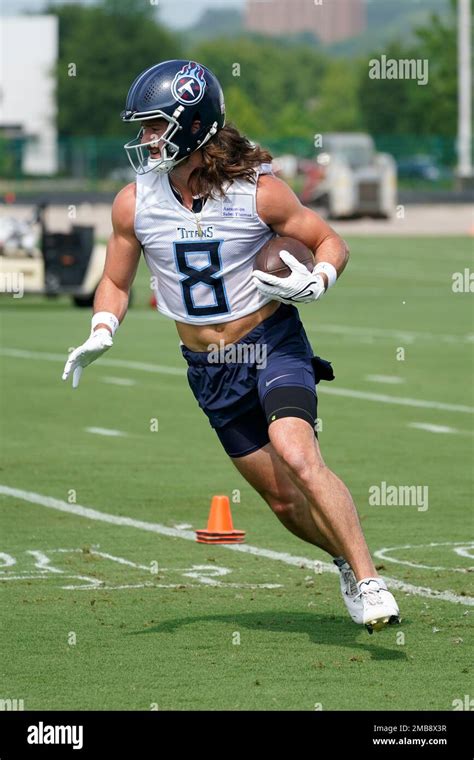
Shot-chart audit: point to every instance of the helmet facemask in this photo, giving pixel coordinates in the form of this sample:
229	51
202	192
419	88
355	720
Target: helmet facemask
138	153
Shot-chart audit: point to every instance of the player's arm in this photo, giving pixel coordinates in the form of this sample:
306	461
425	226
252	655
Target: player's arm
123	256
111	298
278	206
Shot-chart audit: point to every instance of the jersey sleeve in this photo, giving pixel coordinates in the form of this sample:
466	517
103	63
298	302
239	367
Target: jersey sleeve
265	169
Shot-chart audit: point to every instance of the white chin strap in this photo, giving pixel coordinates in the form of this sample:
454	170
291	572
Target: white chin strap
162	166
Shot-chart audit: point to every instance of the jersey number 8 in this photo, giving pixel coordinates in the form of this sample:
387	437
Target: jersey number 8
206	276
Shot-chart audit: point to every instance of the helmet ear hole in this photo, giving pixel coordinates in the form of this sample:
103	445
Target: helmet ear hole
196	123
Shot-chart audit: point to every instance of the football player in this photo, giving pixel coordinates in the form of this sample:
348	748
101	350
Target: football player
204	202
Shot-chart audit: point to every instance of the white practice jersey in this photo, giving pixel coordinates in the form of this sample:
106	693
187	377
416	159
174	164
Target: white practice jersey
207	278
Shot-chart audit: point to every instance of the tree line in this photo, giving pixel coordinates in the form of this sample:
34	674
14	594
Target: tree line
274	89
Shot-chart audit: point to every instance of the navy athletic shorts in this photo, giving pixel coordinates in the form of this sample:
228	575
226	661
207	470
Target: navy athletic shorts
242	386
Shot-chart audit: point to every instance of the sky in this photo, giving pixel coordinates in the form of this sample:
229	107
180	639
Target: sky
175	13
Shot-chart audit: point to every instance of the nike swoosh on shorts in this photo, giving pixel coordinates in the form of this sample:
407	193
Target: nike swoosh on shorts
269	382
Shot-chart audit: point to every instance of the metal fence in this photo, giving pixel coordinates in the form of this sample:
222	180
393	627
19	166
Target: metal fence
98	159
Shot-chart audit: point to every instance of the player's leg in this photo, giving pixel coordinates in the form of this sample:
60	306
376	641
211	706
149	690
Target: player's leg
335	515
330	502
291	412
247	443
287	394
264	471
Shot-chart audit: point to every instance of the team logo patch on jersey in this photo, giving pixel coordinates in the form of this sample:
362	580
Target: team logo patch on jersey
189	84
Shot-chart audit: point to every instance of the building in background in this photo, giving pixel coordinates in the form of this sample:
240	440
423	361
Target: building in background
330	21
29	53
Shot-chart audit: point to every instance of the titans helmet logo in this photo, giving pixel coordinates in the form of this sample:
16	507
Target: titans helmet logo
189	84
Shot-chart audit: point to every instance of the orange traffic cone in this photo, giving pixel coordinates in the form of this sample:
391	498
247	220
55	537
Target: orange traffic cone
220	529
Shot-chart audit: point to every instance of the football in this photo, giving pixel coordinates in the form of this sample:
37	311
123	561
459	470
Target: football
268	258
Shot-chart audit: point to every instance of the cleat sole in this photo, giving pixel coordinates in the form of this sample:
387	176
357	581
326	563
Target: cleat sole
381	623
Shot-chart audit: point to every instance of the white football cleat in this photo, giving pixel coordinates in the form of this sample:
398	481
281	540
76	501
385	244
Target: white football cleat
350	590
379	605
368	601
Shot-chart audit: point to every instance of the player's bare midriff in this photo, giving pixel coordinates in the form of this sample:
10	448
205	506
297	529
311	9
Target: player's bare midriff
199	337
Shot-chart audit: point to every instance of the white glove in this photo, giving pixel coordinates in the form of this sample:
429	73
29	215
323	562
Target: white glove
98	342
300	286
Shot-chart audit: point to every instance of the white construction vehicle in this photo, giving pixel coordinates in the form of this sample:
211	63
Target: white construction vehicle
350	178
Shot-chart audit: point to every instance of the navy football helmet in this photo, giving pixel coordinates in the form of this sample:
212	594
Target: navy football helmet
179	92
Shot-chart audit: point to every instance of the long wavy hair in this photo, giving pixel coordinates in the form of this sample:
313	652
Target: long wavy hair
227	156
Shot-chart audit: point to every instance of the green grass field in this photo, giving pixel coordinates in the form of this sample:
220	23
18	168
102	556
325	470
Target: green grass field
103	615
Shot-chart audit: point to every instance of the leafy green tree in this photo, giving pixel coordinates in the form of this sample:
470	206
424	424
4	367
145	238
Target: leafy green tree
288	92
402	106
102	49
435	107
243	113
337	109
386	103
130	8
279	81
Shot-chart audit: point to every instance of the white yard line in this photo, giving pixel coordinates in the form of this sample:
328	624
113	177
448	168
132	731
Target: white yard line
438	428
200	572
404	336
407	336
18	353
125	381
462	548
289	559
105	431
6	560
43	562
158	368
389	379
465	551
382	398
